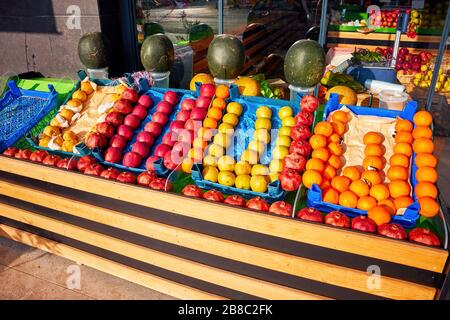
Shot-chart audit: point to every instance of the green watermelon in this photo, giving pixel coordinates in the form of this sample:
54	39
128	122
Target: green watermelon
304	63
93	50
226	57
151	28
199	32
157	53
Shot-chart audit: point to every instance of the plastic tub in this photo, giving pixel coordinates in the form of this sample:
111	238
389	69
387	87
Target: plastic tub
227	82
298	92
393	100
161	79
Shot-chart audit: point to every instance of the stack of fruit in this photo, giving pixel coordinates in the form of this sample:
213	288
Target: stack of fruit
431	17
423	79
58	136
384	18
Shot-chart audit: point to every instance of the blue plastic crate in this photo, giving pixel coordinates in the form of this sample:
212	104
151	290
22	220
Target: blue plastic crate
363	73
21	109
314	195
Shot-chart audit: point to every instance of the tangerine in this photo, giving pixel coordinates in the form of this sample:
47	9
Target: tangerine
379	192
335	138
372	177
428	207
389	205
324	128
215	113
374	162
352	172
311	177
374	150
397	173
321	153
425	160
423	145
366	203
329	172
339	127
426	189
426	174
330	195
373	138
379	214
399	159
403	136
210	123
360	188
341	183
403	125
318	141
335	148
219	103
335	161
315	164
422	132
348	199
403	202
222	91
341	116
326	183
403	148
399	188
423	118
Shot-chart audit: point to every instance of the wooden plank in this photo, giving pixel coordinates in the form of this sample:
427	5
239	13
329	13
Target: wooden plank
402	252
382	36
196	270
306	268
116	269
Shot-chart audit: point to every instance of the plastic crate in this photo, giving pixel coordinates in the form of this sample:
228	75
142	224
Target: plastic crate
21	109
363	73
314	195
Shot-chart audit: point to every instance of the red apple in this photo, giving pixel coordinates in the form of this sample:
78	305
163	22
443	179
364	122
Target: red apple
131	159
193	125
105	128
364	223
191	190
235	200
122	106
281	208
301	147
132	121
294	161
94	169
178	153
176	126
188	104
161	150
309	103
171	96
169	161
149	163
169	139
160	118
424	236
213	195
84	162
145	178
186	136
160	184
257	203
198	113
145	101
110	173
67	163
125	131
300	132
130	94
113	155
95	139
145	137
10	151
207	90
51	160
290	180
141	149
38	155
153	128
140	112
202	102
183	115
114	118
310	214
126	177
337	219
164	107
117	141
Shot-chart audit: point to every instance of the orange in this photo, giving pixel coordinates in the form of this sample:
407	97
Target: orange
73	103
425	160
210	123
426	189
373	162
219	103
397	173
366	203
348	199
426	174
326	184
329	172
321	153
318	141
403	202
324	128
330	195
403	125
335	148
373	138
422	132
215	113
360	188
86	87
423	118
374	150
403	136
399	159
311	177
202	78
341	183
399	188
335	138
341	116
403	148
315	164
222	91
205	133
379	192
428	207
379	214
389	205
80	96
339	127
352	172
372	177
335	161
423	145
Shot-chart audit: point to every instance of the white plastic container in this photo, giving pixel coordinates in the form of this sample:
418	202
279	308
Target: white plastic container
376	86
393	100
298	92
98	73
160	79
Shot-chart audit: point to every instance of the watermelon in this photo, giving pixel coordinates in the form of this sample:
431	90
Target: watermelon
151	28
226	57
93	50
157	53
304	63
200	31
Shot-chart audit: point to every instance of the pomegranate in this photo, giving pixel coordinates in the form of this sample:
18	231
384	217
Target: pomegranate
96	140
51	160
164	107
171	97
176	125
392	230
160	118
153	128
188	104
281	208
122	106
145	101
113	155
364	223
257	203
207	90
183	115
117	141
213	195
145	137
301	147
131	159
424	236
161	150
140	112
126	177
300	132
191	190
290	180
309	103
199	113
145	178
304	117
132	121
130	94
94	169
105	129
160	184
141	149
25	154
114	118
202	102
10	151
67	163
310	214
337	219
149	163
110	173
125	131
235	200
38	155
84	162
294	161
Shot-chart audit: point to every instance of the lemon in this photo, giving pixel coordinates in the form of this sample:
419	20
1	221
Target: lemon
242	181
210	174
186	165
242	168
276	165
284	131
262	135
51	131
260	170
257	146
70	136
215	150
285	112
250	156
43	141
226	163
226	178
222	139
279	152
264	112
274	176
234	108
258	184
284	141
210	161
231	119
67	146
263	123
226	128
288	122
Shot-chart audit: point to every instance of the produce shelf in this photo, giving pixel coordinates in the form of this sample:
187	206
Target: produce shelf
191	248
